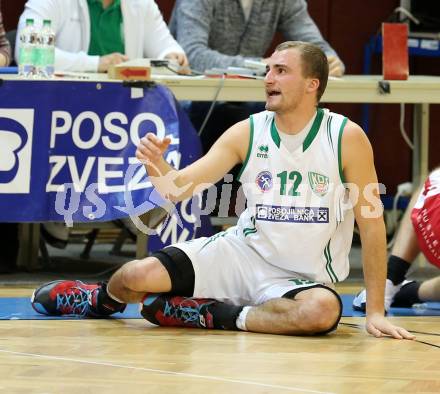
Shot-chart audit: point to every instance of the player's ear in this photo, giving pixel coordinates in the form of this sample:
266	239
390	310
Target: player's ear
313	85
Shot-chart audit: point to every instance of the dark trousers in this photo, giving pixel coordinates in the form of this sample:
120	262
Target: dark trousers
224	115
9	247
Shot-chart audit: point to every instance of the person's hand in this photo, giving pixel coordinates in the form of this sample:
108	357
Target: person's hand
110	60
181	60
378	326
3	60
151	149
335	66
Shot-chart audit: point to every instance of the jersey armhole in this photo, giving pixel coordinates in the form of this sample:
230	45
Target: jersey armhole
248	155
341	131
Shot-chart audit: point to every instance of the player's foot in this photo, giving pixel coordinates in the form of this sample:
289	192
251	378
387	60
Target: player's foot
178	311
403	298
360	301
67	297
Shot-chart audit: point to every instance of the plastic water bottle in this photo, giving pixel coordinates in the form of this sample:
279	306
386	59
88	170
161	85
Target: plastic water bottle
28	50
46	51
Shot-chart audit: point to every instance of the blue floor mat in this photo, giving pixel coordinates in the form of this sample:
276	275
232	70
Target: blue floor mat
21	309
426	309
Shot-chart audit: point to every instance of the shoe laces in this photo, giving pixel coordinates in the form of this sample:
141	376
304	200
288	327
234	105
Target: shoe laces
187	313
75	301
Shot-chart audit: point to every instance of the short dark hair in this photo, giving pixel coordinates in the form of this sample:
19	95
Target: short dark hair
314	62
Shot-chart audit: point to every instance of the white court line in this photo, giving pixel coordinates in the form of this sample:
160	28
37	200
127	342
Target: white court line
182	374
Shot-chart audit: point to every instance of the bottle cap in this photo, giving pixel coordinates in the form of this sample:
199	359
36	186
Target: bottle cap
46	22
29	21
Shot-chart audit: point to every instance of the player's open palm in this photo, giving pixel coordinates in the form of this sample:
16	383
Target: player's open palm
379	326
151	148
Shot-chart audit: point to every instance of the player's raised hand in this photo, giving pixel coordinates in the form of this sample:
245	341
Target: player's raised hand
151	148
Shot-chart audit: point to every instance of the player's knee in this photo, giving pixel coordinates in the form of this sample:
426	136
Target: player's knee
138	275
321	313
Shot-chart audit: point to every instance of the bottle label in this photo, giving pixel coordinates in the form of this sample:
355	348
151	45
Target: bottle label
26	55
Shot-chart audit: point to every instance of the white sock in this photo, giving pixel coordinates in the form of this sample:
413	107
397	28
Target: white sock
241	319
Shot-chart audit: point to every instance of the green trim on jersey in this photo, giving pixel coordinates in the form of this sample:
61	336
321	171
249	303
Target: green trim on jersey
328	266
250	230
274	134
329	133
213	238
248	155
314	129
310	135
341	130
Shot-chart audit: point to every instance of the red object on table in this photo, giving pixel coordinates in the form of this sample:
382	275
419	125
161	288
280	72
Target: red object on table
395	51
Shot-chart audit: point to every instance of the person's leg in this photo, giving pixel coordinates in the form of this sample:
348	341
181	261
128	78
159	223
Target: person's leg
403	253
413	292
257	296
10	244
304	311
162	272
424	237
430	290
136	278
312	311
406	247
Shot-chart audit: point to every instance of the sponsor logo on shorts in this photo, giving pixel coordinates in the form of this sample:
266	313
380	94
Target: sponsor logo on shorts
264	181
271	213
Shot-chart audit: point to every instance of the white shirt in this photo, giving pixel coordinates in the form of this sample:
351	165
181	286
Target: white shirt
247	7
145	32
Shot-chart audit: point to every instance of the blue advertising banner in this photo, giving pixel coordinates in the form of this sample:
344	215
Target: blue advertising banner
67	151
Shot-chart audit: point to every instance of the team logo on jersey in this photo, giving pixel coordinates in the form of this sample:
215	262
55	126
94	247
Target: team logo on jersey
264	181
319	183
263	151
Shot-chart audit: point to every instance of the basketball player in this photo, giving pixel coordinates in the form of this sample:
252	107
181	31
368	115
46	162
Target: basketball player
275	271
418	232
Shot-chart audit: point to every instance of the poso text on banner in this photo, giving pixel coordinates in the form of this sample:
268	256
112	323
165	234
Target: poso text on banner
68	147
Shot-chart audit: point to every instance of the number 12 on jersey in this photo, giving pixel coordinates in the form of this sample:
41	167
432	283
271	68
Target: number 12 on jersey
295	177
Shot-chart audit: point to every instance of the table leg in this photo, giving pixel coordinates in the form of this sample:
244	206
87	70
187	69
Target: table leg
29	235
421	143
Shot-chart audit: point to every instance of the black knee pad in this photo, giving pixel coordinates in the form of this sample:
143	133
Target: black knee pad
180	270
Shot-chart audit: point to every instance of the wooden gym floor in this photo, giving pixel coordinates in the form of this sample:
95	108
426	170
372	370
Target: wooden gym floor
132	356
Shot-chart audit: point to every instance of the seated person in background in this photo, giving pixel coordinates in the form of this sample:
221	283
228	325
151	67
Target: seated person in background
5	49
422	235
92	35
222	33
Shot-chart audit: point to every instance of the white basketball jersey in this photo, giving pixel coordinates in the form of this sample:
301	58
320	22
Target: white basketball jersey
298	216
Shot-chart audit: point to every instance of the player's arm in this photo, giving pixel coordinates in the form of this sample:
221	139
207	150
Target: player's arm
360	174
176	185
